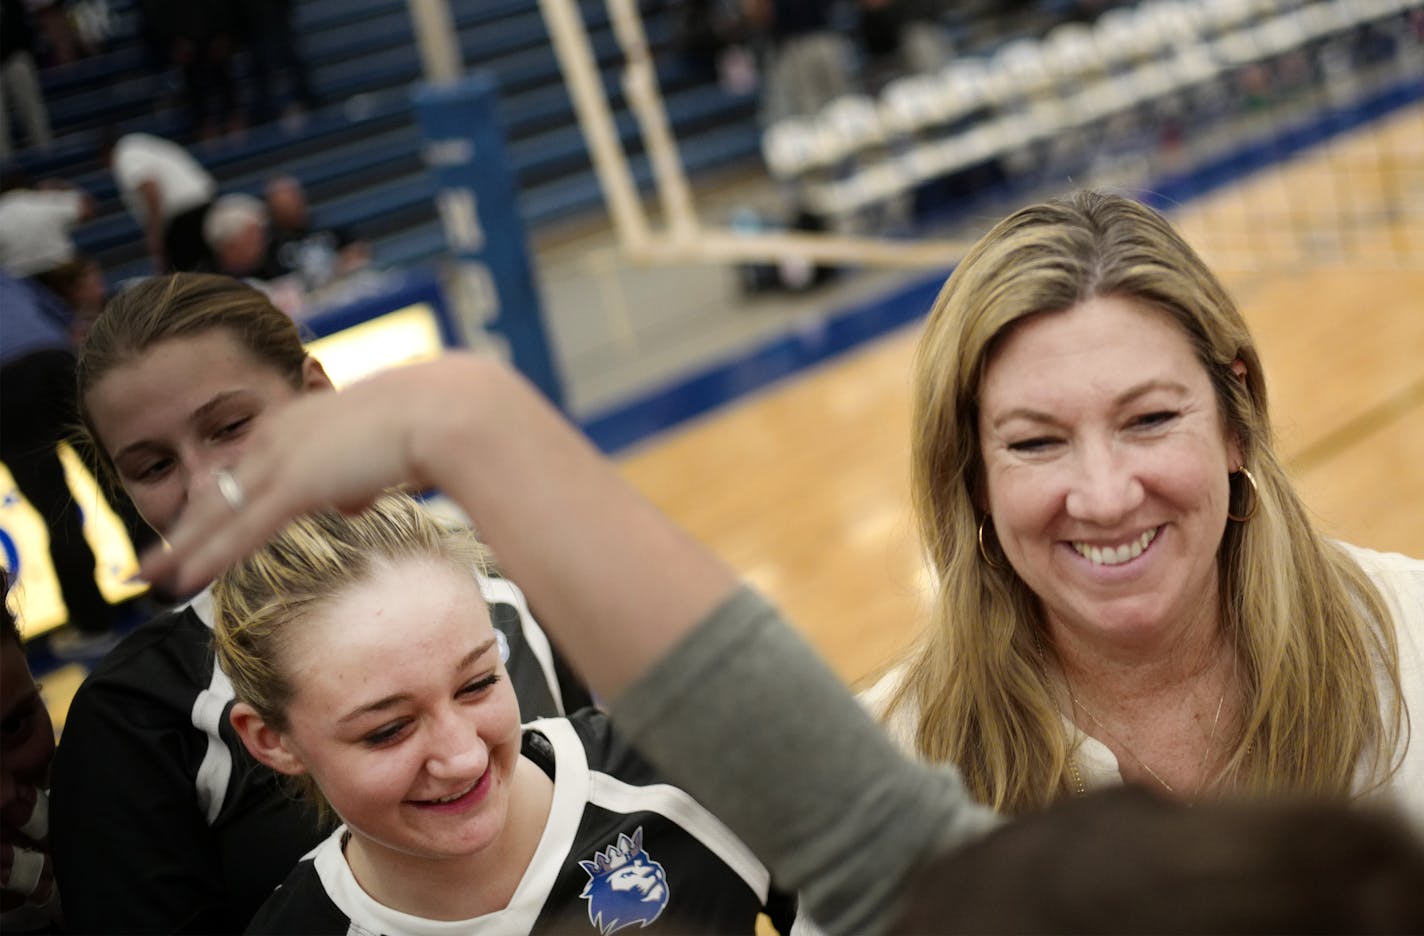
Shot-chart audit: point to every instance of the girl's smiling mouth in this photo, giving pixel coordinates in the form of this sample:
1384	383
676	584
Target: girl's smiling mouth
458	800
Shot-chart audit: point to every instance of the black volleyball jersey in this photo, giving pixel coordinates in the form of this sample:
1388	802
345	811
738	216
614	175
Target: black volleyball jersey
160	819
622	850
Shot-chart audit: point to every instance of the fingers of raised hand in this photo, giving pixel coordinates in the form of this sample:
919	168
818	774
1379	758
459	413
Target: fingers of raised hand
306	457
219	526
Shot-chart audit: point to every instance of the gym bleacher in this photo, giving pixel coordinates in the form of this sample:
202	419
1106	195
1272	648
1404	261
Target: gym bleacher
1046	97
1127	99
358	152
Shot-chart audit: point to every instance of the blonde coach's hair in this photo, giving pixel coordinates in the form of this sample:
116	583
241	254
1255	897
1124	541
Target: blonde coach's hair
260	602
1308	626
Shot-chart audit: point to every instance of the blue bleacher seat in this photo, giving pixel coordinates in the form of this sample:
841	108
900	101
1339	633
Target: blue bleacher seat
358	152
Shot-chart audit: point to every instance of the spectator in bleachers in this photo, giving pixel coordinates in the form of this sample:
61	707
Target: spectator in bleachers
236	232
157	40
265	27
712	37
35	241
19	79
37	409
319	254
35	222
250	239
63	41
168	192
201	38
808	62
902	37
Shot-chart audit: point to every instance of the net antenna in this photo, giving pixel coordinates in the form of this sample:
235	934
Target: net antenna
683	237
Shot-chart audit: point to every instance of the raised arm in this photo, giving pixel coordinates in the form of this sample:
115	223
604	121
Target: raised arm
579	539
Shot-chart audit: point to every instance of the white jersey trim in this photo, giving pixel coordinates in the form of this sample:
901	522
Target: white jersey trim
609	792
503	591
215	771
557	842
369	916
613	794
575	785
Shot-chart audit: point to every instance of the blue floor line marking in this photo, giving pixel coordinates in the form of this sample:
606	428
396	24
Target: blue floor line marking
729	380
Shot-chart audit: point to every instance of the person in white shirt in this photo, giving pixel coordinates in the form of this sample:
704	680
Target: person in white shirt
168	192
35	223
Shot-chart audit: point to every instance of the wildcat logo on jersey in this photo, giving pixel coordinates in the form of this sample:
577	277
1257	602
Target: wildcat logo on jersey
625	885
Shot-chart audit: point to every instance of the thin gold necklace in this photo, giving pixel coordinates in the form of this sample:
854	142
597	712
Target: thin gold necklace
1206	755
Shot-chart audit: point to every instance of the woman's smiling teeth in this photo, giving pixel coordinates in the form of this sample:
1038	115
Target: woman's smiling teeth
1116	555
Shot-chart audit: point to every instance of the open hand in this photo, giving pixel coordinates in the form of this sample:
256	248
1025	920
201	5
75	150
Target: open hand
325	450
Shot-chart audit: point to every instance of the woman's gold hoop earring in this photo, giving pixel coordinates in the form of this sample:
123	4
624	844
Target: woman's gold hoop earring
988	560
1255	496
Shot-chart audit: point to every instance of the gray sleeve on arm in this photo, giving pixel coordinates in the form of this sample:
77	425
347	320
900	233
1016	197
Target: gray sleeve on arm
748	719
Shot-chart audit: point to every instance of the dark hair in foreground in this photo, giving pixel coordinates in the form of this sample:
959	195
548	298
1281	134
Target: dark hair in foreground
1128	861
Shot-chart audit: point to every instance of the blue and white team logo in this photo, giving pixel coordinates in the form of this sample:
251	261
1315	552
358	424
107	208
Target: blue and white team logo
625	885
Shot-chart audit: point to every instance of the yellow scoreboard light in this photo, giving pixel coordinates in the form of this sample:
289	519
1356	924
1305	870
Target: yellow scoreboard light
25	544
403	336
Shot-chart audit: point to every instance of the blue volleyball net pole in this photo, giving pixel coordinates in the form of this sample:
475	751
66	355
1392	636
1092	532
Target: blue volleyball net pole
493	290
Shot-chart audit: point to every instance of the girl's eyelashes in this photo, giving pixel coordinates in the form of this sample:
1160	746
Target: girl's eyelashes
385	734
393	731
151	471
232	428
479	685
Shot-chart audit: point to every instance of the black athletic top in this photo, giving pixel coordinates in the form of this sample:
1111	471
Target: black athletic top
621	849
161	822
